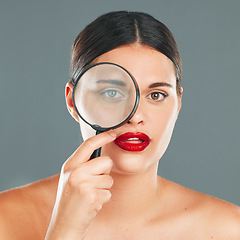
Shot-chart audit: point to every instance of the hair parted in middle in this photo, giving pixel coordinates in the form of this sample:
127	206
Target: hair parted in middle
115	29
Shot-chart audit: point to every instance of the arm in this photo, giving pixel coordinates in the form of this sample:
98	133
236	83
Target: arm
82	190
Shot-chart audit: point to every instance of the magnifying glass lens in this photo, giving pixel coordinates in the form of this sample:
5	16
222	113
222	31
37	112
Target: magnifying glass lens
105	95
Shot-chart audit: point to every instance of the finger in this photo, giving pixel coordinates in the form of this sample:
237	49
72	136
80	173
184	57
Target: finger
100	165
103	182
96	167
84	152
105	195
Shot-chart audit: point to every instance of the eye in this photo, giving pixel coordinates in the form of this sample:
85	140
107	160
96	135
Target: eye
157	96
112	95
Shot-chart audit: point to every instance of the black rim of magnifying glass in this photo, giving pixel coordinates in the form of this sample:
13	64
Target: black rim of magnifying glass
96	127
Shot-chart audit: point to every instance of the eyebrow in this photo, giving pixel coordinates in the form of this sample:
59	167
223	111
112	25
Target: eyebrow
160	84
115	82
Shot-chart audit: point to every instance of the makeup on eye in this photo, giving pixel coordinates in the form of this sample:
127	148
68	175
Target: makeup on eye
157	96
112	95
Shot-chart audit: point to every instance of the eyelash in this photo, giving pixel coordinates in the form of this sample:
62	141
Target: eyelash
106	95
110	91
164	95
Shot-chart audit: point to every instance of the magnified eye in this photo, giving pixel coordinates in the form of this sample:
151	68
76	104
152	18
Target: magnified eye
157	96
112	95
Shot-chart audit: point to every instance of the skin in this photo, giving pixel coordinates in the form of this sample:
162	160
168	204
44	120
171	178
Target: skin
119	195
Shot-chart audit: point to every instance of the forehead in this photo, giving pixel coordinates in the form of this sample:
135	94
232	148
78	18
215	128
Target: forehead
146	64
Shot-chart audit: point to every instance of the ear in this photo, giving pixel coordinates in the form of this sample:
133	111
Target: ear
180	99
69	101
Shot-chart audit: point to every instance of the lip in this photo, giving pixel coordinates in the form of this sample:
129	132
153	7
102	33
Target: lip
133	142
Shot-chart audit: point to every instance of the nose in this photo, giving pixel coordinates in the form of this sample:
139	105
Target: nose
137	117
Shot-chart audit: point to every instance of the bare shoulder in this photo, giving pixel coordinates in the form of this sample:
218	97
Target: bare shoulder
210	217
24	208
224	217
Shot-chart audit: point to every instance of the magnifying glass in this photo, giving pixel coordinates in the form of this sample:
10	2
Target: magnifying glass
105	96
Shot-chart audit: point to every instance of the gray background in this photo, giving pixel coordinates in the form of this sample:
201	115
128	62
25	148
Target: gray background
36	132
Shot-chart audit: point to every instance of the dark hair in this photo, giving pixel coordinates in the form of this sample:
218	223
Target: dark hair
115	29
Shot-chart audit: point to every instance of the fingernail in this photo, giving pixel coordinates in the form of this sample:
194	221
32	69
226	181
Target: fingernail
112	134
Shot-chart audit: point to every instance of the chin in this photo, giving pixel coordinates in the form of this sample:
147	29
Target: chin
129	167
126	162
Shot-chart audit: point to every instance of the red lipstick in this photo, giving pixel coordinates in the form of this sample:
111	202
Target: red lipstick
133	142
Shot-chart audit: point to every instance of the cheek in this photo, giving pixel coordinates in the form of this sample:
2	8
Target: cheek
164	122
165	117
86	130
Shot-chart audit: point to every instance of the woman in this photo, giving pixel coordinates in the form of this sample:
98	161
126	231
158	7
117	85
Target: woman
119	195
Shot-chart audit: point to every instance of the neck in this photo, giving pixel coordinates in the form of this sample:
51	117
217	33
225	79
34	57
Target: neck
133	196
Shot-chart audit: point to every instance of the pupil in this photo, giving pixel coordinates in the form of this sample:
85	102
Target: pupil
112	93
155	96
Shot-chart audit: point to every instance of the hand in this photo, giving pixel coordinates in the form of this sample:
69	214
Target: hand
83	188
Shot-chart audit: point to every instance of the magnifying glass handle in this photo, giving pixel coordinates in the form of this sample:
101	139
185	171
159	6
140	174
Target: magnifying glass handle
97	152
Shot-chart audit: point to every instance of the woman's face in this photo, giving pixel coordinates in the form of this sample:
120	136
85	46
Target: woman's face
157	111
